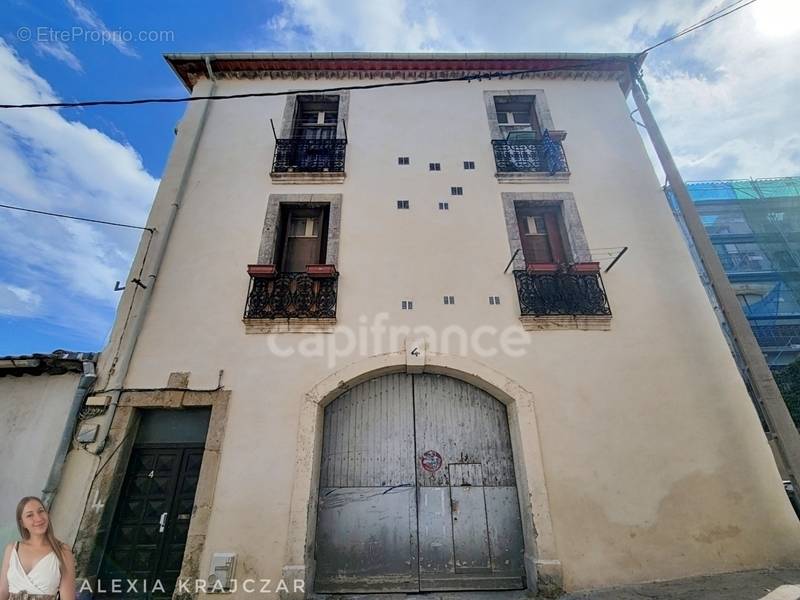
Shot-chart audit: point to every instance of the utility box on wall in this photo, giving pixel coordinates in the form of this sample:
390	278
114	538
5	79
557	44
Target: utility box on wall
223	565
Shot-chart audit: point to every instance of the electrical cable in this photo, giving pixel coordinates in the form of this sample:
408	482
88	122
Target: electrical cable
713	14
63	216
707	21
475	77
723	12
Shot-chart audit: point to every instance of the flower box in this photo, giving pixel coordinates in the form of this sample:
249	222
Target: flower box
586	267
264	271
542	268
321	270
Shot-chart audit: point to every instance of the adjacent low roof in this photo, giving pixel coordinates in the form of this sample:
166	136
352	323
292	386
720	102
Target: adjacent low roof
190	68
55	363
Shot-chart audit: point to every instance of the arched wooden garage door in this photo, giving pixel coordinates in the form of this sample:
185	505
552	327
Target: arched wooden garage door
417	490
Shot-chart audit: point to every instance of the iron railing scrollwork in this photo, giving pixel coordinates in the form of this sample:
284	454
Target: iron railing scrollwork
561	293
292	296
542	156
309	156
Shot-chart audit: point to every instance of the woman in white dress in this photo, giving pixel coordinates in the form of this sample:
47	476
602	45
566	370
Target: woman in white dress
38	567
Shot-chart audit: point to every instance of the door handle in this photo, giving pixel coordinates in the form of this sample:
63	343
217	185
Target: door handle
162	522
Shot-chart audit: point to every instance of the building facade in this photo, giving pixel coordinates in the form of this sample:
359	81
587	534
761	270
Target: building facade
754	225
371	347
40	398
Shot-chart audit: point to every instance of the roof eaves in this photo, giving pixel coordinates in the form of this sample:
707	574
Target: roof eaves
175	60
55	363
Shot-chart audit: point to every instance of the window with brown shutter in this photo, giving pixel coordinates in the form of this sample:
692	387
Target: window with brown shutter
541	234
302	238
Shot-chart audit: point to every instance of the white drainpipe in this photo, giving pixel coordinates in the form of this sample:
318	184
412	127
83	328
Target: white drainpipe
57	469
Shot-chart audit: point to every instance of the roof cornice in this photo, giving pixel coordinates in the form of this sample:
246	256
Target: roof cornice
191	68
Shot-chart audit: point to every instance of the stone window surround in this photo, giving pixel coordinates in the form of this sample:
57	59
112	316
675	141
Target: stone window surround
287	123
578	246
543	115
286	130
269	233
105	490
545	120
267	251
578	252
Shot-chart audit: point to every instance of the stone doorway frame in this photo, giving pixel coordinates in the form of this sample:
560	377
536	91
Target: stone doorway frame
542	566
105	490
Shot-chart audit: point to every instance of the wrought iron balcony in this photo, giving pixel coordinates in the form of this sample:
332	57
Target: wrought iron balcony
544	155
292	296
561	292
309	156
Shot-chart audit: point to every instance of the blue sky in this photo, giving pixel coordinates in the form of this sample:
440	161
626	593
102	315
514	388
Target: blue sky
725	97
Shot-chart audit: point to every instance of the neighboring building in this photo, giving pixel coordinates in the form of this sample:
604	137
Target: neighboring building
754	225
380	355
40	396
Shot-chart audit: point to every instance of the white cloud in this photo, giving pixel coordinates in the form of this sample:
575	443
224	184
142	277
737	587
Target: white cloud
87	16
733	118
54	163
59	50
402	25
17	301
725	95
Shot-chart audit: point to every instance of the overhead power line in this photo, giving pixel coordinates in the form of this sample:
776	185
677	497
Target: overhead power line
63	216
723	12
730	9
473	77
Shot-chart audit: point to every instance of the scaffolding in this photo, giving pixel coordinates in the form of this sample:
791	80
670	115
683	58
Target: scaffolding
754	225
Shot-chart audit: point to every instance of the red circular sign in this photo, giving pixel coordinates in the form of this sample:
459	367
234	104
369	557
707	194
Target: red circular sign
431	461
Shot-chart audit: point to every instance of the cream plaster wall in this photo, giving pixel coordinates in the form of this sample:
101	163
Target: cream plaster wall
655	462
33	411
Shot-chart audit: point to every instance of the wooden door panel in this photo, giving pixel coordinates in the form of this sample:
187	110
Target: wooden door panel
158	480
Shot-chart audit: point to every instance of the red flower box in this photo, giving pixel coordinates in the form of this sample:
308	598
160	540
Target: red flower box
542	268
265	271
586	267
321	270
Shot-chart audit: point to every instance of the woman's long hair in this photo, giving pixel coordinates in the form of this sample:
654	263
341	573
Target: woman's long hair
51	538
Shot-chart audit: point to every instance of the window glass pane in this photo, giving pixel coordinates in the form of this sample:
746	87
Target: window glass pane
743	257
722	221
502	117
330	117
535	226
522	117
308	118
297	227
303	227
514	103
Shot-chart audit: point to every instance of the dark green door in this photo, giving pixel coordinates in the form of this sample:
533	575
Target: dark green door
148	533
